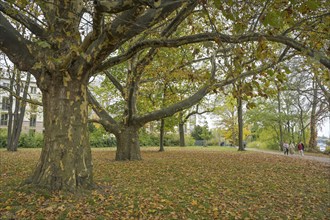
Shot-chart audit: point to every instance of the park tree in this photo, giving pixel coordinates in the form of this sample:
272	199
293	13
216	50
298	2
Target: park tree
63	58
184	116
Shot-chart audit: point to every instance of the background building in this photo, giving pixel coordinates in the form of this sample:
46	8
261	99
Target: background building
33	117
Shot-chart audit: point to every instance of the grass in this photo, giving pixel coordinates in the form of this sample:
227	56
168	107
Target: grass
180	183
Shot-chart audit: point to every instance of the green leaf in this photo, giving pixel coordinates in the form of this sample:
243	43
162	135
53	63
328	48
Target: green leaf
218	4
43	44
313	5
273	19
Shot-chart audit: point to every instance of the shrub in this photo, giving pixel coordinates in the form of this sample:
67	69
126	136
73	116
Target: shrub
31	141
258	145
98	137
172	140
148	139
3	138
327	150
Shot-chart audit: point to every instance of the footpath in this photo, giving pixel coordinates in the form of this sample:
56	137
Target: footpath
296	155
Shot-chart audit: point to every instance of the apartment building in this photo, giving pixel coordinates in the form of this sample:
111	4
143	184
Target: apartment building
33	117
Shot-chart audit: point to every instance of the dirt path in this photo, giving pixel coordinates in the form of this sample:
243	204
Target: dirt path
296	155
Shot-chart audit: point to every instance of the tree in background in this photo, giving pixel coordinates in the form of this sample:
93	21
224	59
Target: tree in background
201	133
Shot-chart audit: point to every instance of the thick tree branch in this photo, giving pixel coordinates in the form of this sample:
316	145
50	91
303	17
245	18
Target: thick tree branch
316	55
15	46
180	17
115	82
105	119
17	15
196	112
127	25
184	104
171	110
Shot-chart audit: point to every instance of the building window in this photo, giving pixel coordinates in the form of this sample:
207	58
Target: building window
33	90
33	120
4	119
5	103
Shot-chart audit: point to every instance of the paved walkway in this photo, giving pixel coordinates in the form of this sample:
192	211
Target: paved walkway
296	155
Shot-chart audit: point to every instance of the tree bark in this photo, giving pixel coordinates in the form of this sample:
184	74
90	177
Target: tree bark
128	147
162	135
66	161
313	124
280	118
240	123
15	126
181	133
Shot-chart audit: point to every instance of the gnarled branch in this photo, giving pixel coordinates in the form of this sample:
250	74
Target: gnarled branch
15	46
197	38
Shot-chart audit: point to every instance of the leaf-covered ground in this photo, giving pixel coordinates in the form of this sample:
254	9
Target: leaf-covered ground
180	183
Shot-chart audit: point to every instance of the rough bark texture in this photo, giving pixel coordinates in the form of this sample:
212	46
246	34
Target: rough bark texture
240	124
181	133
65	162
280	119
313	124
19	115
162	135
128	147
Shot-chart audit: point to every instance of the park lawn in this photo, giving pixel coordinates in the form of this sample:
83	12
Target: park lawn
180	183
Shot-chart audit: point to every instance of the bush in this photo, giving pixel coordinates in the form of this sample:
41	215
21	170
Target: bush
105	141
327	150
258	145
98	137
172	140
148	139
3	138
31	141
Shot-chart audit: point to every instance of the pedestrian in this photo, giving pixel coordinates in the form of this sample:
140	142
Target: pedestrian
291	148
301	148
286	148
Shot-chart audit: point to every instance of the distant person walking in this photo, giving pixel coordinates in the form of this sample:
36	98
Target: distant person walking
286	148
291	148
301	148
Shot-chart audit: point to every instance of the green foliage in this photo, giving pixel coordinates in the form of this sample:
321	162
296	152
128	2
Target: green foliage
148	139
31	141
327	150
98	137
201	133
258	145
3	138
25	140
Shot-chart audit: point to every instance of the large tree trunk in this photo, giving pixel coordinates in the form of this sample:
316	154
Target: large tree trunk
66	160
128	147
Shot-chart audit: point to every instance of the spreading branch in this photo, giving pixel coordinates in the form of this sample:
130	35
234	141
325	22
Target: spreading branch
15	46
105	119
30	24
198	38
